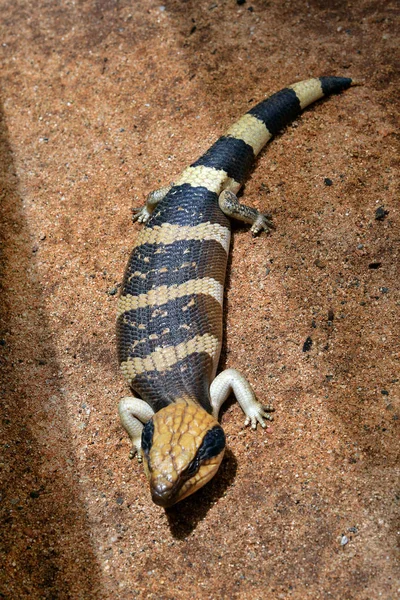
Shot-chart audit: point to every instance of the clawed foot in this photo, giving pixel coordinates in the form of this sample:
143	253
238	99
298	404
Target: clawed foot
141	215
262	223
231	207
257	413
136	452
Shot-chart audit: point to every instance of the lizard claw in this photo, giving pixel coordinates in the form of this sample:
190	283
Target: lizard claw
262	223
141	215
257	413
136	452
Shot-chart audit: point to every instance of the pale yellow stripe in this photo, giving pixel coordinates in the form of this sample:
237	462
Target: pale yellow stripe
308	91
167	234
232	185
164	293
215	180
252	131
164	358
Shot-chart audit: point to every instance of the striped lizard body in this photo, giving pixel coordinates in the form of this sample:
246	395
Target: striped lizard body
169	325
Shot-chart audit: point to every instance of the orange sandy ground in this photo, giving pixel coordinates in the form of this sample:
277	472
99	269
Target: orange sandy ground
101	102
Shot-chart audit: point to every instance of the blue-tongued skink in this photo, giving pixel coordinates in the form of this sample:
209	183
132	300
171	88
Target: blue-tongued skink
169	324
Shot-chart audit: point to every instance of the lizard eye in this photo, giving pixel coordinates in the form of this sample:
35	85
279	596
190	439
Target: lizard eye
213	443
147	437
192	469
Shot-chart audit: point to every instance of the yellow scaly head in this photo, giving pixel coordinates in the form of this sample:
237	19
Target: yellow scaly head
183	447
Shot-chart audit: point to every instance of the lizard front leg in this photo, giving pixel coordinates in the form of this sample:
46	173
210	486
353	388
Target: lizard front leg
232	381
134	413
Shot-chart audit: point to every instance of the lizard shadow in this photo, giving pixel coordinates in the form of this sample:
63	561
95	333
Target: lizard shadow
184	517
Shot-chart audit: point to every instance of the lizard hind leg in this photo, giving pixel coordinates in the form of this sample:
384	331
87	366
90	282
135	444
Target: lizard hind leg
143	213
231	207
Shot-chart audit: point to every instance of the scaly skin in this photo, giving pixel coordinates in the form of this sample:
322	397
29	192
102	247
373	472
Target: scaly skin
170	310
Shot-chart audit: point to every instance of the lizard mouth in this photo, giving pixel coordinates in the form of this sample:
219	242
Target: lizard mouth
162	497
166	495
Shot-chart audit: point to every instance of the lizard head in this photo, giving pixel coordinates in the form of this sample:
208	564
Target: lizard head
183	447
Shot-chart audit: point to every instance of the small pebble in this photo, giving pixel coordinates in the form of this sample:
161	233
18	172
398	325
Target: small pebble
381	213
328	181
307	344
353	529
320	263
344	540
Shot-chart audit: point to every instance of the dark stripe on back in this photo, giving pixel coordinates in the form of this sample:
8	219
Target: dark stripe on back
188	205
200	259
189	377
231	155
176	319
333	85
278	110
